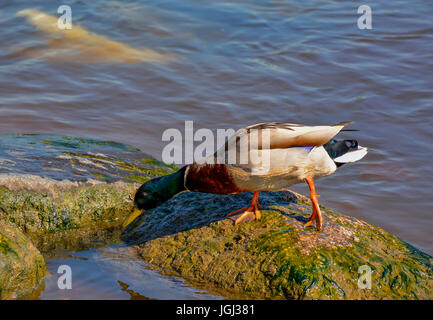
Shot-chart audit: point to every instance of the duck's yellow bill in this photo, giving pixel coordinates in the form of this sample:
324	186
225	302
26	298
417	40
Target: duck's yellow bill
131	217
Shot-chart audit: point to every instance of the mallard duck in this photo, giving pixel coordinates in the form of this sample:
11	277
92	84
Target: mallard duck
288	154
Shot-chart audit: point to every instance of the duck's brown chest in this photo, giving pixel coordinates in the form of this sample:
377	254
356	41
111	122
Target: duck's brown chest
210	178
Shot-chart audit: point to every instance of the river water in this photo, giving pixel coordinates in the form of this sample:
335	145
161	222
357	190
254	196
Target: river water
111	272
227	64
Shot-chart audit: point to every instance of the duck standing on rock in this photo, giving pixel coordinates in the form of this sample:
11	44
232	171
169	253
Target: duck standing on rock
289	154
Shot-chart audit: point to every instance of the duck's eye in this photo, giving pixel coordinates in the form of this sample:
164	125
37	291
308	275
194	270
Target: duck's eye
144	194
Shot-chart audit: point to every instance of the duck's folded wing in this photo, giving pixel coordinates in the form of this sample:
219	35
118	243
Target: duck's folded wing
272	135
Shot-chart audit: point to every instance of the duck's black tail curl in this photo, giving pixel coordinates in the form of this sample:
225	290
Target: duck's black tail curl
344	151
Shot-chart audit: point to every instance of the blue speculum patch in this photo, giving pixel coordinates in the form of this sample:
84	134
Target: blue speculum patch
308	148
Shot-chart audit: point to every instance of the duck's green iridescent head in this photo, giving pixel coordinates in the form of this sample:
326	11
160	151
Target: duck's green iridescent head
155	192
150	194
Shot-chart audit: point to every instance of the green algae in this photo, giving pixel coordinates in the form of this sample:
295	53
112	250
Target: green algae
137	178
79	143
5	247
156	171
102	176
153	168
154	162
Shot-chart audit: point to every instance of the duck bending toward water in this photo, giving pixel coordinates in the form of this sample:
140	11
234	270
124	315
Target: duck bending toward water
277	155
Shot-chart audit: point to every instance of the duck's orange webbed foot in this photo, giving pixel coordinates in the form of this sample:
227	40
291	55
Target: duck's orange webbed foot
317	215
251	212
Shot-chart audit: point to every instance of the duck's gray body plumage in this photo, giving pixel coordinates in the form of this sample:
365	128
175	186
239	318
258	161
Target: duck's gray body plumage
278	155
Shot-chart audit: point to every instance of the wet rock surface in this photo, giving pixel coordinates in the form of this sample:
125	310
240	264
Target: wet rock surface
66	193
277	257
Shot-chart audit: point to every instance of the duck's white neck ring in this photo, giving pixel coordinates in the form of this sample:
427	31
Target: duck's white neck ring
184	178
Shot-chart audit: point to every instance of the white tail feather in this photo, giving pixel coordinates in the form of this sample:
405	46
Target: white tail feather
352	156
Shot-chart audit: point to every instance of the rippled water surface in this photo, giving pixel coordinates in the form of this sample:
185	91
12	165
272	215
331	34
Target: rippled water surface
227	64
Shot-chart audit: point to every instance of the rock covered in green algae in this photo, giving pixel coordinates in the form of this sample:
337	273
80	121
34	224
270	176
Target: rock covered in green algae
277	257
51	184
64	192
21	264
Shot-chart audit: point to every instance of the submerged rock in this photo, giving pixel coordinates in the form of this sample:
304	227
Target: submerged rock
78	44
65	193
276	257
